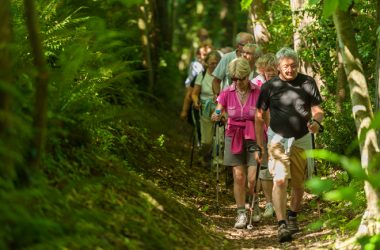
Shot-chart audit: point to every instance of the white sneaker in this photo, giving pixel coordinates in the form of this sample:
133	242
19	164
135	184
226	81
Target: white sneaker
269	210
241	220
256	213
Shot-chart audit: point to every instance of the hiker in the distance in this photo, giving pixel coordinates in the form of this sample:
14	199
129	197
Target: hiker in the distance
239	101
294	103
203	100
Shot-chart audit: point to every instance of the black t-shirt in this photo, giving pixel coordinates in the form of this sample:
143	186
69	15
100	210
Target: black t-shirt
290	104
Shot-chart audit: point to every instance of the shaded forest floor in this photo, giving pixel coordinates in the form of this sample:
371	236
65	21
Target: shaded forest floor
197	185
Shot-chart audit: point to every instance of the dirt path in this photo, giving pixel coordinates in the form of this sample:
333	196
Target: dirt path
264	233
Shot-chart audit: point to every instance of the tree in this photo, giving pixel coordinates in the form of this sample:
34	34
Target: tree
257	17
301	19
40	108
363	115
5	85
377	100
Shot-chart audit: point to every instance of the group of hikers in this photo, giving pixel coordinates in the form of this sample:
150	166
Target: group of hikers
270	111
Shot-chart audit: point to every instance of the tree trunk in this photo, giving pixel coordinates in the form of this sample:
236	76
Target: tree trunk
258	26
300	22
145	27
362	112
7	169
377	100
40	109
163	25
341	82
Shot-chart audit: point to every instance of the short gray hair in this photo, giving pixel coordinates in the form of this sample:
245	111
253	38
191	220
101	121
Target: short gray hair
245	36
256	48
287	52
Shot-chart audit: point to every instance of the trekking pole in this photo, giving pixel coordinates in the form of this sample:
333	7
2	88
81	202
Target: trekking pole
316	173
196	135
217	124
250	226
192	147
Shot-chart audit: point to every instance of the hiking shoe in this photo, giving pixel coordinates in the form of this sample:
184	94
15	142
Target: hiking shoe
269	210
256	213
284	233
293	224
241	220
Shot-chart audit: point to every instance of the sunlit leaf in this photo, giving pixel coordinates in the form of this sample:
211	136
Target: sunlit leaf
329	6
318	186
323	154
245	4
313	2
344	193
353	166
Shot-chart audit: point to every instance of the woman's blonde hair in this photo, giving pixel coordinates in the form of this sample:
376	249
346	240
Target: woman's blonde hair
239	68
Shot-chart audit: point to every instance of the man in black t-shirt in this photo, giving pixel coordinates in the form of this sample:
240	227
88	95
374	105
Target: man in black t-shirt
293	100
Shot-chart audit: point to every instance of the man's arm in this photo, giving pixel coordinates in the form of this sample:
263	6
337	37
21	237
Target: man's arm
317	115
259	128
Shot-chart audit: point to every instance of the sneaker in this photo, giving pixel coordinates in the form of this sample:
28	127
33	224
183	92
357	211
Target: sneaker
284	233
269	210
256	213
293	224
241	220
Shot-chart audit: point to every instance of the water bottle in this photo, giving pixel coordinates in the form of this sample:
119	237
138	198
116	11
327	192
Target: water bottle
218	112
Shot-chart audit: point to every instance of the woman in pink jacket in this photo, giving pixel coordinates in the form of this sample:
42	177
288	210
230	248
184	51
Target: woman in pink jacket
239	101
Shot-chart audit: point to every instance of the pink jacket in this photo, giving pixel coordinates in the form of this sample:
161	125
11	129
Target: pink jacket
240	118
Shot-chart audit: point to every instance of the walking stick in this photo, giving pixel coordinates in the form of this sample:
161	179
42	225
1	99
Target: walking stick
196	135
316	173
192	147
250	226
216	133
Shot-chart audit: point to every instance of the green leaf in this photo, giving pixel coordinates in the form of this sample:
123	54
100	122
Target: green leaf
344	4
343	193
318	186
329	6
374	180
353	166
375	123
245	4
313	2
315	226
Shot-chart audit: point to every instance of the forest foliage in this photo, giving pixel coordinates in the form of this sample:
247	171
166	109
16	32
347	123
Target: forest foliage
97	184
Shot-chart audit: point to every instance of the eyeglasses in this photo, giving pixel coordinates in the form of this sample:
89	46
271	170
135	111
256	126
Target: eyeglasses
235	79
291	66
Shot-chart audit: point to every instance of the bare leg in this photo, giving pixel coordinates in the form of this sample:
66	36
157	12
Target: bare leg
296	199
267	189
279	198
239	185
252	178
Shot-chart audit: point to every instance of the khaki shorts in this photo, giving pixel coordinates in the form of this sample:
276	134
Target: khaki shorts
284	166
